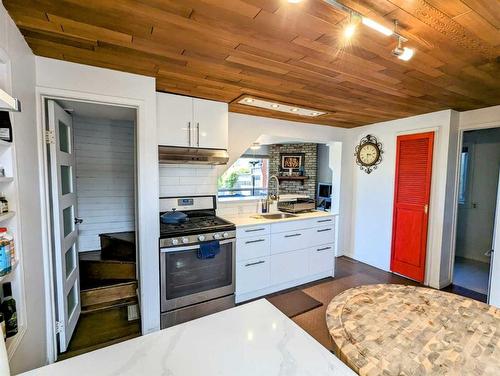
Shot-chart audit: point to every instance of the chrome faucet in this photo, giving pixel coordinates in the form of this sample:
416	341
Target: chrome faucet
275	197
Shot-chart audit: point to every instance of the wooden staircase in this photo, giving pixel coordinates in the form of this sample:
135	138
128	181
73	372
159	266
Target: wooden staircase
108	295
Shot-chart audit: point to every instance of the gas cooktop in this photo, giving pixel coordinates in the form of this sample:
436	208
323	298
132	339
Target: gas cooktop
195	225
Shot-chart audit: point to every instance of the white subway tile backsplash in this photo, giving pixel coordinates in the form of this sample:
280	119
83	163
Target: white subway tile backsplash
180	180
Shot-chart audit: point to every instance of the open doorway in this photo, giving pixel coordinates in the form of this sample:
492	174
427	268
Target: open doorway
477	198
91	163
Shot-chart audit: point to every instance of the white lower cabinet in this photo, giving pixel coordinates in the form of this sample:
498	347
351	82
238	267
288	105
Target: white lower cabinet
287	267
274	257
252	275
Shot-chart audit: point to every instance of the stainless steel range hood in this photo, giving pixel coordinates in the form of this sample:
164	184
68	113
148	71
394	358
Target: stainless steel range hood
173	154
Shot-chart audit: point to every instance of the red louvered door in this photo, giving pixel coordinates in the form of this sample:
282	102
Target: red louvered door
411	204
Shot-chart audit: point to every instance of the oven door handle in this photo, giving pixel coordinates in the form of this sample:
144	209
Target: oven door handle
192	247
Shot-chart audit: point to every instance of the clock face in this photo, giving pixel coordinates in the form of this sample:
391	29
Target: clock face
368	154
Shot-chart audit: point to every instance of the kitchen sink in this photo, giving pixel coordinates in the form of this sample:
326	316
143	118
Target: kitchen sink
273	216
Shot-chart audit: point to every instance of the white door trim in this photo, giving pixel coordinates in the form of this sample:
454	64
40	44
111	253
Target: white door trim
461	130
43	93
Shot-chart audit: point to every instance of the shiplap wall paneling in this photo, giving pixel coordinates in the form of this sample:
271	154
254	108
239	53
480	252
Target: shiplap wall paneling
104	152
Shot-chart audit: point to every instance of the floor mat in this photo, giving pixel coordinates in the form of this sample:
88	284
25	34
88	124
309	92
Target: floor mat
294	303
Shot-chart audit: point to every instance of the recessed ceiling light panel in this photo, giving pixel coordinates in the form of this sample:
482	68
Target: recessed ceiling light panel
268	105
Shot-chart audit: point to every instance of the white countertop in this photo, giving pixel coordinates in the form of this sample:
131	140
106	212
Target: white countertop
252	339
242	220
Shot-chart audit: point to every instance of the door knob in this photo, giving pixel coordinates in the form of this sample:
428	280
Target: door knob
78	221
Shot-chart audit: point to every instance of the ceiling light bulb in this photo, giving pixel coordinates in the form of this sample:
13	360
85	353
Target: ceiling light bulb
294	109
274	105
314	113
249	100
376	26
294	1
349	30
407	54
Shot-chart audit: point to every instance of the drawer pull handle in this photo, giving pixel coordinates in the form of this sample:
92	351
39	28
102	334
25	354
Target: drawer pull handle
325	229
255	263
255	229
292	235
323	249
255	241
324	220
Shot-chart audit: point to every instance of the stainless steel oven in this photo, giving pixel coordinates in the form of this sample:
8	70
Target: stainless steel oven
191	286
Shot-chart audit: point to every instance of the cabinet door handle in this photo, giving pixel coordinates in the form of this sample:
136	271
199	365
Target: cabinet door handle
255	263
292	235
189	133
255	241
325	229
323	249
255	229
198	133
324	220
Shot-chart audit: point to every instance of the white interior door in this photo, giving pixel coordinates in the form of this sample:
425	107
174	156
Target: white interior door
65	225
494	293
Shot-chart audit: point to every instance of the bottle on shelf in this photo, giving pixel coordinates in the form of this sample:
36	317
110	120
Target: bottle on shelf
9	311
4	204
2	326
5	260
9	238
5	127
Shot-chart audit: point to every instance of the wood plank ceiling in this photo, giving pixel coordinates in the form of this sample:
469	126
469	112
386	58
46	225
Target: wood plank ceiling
289	53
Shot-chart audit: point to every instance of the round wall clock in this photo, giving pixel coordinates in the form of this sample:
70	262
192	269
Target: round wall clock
368	153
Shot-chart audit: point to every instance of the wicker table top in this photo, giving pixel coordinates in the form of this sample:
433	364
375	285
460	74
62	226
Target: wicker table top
407	330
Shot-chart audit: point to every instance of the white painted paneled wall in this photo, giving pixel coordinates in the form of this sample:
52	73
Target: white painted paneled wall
104	151
182	180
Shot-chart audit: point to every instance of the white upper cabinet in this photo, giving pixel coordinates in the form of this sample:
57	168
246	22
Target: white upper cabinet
191	122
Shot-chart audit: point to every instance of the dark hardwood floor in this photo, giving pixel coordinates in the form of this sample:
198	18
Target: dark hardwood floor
348	273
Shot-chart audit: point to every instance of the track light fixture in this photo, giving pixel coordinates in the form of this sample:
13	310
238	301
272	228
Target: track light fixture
403	53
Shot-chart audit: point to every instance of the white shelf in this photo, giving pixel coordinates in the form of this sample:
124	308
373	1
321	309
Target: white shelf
6	216
6	179
8	277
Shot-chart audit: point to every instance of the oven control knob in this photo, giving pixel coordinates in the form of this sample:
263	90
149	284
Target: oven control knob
216	236
185	240
175	241
201	238
225	235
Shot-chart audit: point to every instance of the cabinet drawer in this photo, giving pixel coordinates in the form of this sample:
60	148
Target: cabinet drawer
289	266
321	259
289	241
250	231
322	235
252	275
250	248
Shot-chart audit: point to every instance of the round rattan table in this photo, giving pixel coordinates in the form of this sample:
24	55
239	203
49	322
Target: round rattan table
407	330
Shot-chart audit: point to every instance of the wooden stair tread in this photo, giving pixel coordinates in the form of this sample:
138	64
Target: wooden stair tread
126	236
104	283
108	294
109	305
99	327
71	353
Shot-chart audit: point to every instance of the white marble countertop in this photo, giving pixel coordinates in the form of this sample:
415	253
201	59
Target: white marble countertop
252	339
242	220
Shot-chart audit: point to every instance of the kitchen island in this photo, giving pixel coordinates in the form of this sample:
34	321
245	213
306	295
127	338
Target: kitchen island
251	339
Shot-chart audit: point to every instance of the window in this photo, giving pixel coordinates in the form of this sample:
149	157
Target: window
247	177
463	177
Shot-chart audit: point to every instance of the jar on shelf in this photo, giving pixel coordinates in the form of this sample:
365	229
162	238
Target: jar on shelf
6	236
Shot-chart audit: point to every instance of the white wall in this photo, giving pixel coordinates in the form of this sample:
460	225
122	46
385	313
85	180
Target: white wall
105	168
81	82
371	201
324	170
31	350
